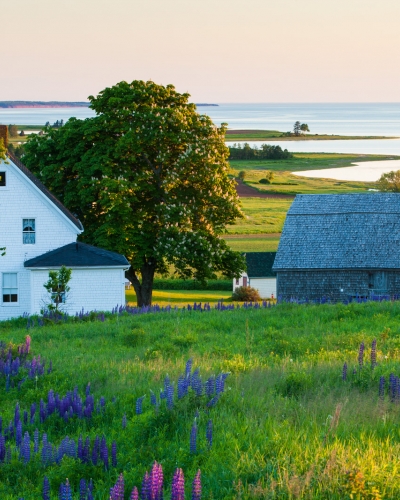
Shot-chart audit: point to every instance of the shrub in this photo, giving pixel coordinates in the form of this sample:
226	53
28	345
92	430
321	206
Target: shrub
246	294
242	175
264	181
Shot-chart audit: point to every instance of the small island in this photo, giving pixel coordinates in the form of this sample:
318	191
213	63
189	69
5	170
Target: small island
276	135
43	104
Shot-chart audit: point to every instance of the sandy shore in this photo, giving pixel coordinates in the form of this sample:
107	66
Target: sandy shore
368	171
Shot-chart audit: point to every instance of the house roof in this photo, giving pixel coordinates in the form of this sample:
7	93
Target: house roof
77	255
45	191
341	231
259	264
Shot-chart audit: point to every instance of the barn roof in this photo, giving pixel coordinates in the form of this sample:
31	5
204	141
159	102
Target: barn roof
77	255
259	264
341	231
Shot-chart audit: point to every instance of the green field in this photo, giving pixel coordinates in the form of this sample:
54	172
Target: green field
276	135
286	426
181	298
261	243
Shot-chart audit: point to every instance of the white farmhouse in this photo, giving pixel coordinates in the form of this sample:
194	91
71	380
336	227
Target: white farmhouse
259	274
40	234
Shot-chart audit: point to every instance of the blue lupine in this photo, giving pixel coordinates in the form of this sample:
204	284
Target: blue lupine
2	448
86	451
193	438
182	387
36	441
26	448
82	489
46	488
25	417
210	386
104	452
382	388
170	397
361	355
344	372
114	454
139	405
96	450
18	433
188	368
145	493
209	433
373	354
33	411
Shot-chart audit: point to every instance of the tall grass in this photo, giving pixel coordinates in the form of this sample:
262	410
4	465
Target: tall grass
286	426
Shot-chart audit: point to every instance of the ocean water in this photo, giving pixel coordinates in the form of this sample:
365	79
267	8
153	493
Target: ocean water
381	119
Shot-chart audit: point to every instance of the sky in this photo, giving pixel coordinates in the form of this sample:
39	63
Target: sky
216	50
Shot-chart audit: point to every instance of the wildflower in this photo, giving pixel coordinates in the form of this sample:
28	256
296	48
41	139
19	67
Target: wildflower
145	493
114	454
26	448
178	486
344	372
124	421
196	486
117	492
46	488
361	355
373	354
193	438
139	403
134	494
156	482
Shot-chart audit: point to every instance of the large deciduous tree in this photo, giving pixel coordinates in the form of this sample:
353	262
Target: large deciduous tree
390	181
148	178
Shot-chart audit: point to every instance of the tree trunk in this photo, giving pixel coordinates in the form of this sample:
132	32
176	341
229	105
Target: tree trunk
143	290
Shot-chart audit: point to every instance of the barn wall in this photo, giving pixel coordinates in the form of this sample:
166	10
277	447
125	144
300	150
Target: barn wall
336	285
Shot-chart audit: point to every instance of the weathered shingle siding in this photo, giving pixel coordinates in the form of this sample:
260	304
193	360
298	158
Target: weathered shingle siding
331	243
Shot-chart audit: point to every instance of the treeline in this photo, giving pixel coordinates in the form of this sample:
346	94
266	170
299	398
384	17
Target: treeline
265	152
181	284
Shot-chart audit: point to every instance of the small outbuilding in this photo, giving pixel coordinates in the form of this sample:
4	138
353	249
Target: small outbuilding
340	247
259	274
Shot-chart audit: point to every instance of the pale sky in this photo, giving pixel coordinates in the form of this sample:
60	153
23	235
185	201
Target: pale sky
217	50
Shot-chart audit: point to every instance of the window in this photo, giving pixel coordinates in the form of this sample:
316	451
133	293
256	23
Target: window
10	287
237	281
28	231
2	178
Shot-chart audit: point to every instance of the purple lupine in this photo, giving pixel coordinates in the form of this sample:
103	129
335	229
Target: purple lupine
210	386
139	405
393	382
178	486
86	451
188	369
134	494
26	448
36	441
193	438
344	372
118	490
196	486
124	421
361	355
33	411
2	448
145	493
170	397
18	433
197	384
156	482
104	452
209	433
382	388
213	401
27	344
82	489
182	387
46	488
42	412
114	454
25	417
80	448
88	389
96	450
65	491
373	354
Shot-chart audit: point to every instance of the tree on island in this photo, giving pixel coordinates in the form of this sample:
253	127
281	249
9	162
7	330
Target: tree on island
299	128
390	182
148	178
13	130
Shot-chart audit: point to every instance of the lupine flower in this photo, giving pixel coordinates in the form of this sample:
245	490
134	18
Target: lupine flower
18	434
124	421
117	492
2	448
373	354
134	494
188	369
82	489
26	448
33	411
114	454
156	482
361	355
393	382
65	491
104	452
196	486
145	493
210	386
46	488
178	486
139	403
193	438
382	388
96	450
344	372
209	433
170	397
36	441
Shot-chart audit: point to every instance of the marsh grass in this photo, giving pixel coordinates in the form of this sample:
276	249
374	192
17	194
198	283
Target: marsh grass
287	425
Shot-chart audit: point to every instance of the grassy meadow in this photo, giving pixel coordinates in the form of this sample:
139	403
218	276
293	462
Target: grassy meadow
285	426
265	135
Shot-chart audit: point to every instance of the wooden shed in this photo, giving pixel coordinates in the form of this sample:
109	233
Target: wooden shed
340	247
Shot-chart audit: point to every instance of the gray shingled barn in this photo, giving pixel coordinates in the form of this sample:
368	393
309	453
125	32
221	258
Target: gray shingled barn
340	246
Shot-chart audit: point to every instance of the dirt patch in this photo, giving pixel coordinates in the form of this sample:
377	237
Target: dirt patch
245	191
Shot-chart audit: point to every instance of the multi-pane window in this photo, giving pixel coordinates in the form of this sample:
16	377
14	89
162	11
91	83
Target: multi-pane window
2	178
10	287
28	231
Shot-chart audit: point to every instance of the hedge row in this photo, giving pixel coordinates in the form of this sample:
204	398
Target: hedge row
180	284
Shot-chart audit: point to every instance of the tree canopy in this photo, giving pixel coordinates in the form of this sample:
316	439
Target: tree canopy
390	182
148	178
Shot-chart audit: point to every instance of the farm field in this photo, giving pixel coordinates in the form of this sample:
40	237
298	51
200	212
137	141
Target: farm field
290	420
181	298
253	242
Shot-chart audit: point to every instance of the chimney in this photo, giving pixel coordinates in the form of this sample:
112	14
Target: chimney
4	134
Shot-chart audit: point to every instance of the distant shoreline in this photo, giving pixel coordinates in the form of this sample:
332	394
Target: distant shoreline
275	135
57	104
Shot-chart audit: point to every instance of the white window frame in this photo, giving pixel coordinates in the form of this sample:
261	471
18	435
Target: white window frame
29	232
9	304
